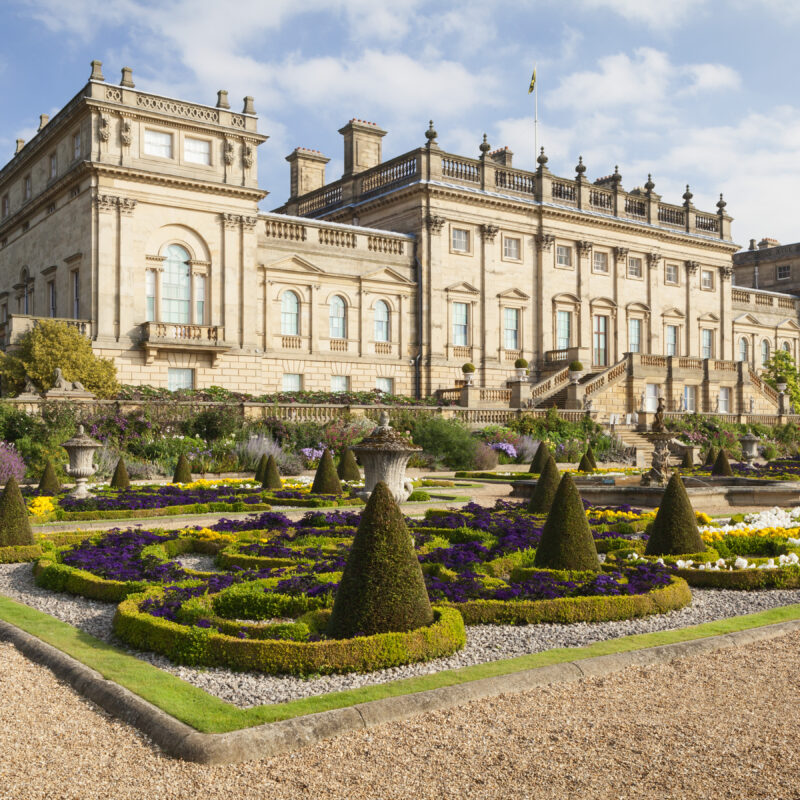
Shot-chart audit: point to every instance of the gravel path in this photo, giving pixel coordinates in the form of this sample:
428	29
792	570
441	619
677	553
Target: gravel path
484	642
712	726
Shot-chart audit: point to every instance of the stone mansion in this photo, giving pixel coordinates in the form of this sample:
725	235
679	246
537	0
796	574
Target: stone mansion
135	217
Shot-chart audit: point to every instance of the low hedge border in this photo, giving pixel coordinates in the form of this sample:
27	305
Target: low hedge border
743	579
20	553
235	559
138	513
602	608
206	647
315	502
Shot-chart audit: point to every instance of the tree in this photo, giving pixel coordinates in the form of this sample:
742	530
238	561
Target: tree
546	487
183	470
382	587
347	468
15	529
674	530
52	344
782	369
270	477
49	485
326	481
120	479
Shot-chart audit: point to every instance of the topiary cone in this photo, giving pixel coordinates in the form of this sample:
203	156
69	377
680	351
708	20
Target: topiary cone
540	458
567	541
271	478
586	464
721	466
120	479
674	530
48	484
326	481
545	490
348	469
14	526
183	471
687	462
260	467
711	457
382	588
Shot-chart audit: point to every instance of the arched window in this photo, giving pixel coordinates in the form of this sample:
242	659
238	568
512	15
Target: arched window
787	347
381	321
337	322
176	286
743	349
764	352
290	314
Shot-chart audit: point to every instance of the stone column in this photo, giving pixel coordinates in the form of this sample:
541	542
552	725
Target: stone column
229	268
490	350
106	268
726	314
691	346
129	284
620	271
248	283
652	332
583	271
434	321
544	329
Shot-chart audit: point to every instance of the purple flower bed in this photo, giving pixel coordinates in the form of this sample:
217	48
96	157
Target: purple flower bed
159	497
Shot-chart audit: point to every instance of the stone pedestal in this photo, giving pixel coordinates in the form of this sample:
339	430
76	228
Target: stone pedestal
660	471
520	393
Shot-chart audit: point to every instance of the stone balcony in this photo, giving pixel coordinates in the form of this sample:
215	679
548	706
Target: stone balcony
18	324
159	337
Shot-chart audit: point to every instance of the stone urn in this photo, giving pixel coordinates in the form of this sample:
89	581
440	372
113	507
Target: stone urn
384	455
80	449
749	447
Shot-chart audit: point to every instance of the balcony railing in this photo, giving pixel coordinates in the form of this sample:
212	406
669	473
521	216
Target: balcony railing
165	336
18	324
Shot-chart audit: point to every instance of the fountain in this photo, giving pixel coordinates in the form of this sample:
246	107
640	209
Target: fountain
384	455
80	449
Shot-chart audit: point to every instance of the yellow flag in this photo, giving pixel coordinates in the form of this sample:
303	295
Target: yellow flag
533	81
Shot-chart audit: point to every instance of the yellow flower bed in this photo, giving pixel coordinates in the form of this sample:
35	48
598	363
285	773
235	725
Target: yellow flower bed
41	506
207	535
711	536
205	483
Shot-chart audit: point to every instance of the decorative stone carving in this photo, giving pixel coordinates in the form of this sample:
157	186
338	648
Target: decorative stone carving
227	153
247	156
80	449
230	221
585	248
621	253
545	240
127	205
653	260
692	266
249	223
106	202
489	232
126	133
104	130
435	223
726	273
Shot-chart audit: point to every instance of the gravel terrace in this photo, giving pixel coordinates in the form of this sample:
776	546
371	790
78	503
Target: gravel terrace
484	642
711	726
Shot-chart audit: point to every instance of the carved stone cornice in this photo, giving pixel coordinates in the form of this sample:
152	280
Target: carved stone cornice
249	223
106	202
726	273
544	241
585	247
127	206
653	260
489	232
621	253
435	223
230	221
692	266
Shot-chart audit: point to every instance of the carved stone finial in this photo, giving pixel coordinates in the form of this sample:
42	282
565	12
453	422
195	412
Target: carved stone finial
222	99
542	158
97	71
484	146
687	196
649	185
127	78
249	105
721	204
431	134
616	177
581	167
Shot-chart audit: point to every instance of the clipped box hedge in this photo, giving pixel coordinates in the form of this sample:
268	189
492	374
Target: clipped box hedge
787	577
19	553
600	608
207	647
167	511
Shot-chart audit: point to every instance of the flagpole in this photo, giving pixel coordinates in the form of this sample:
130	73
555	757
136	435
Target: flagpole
535	117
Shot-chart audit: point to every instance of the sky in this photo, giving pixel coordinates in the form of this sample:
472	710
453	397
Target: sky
693	91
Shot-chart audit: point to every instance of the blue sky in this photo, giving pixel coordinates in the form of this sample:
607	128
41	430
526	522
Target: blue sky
694	91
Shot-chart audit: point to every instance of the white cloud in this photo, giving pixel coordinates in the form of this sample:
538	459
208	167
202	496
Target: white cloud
655	14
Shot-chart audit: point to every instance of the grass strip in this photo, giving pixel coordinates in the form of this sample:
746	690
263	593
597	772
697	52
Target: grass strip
208	714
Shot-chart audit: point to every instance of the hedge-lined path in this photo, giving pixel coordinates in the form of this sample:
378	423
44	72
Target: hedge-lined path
711	726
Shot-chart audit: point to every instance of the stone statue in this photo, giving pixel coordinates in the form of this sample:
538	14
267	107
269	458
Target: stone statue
752	405
63	385
682	404
587	404
658	419
642	402
716	405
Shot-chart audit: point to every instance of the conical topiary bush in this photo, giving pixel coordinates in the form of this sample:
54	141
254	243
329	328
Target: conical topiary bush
586	464
540	458
260	467
270	477
347	468
674	530
48	484
567	541
382	588
711	457
14	526
590	456
326	481
120	479
183	471
687	462
545	490
722	467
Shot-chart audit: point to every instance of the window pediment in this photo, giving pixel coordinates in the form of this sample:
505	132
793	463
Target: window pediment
462	287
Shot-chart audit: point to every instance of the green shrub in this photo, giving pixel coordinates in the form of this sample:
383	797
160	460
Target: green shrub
448	441
521	363
674	529
260	469
183	470
590	456
540	458
466	368
271	478
52	344
575	366
586	464
770	452
48	484
711	457
687	462
545	490
15	528
326	481
215	422
418	496
120	479
567	541
722	467
348	468
382	588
